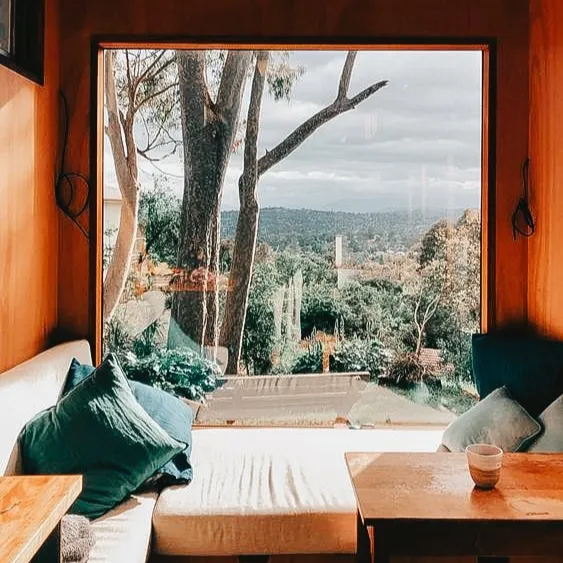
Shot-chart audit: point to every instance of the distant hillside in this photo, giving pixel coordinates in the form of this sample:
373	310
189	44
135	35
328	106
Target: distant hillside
281	227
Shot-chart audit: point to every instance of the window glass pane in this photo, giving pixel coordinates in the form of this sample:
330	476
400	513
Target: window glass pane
296	236
5	26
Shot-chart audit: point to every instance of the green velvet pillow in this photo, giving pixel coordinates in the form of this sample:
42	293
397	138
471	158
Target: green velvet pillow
98	430
498	419
551	441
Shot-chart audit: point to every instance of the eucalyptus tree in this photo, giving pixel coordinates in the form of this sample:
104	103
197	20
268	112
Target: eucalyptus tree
141	89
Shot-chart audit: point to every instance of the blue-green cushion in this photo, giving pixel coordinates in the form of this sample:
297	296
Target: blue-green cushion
98	430
551	440
171	413
531	368
498	419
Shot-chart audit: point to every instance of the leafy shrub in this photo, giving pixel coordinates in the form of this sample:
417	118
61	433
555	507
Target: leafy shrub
180	371
360	355
406	369
116	337
311	361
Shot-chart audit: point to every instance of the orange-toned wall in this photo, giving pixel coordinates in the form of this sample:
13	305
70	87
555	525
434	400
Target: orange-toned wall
28	215
505	20
545	289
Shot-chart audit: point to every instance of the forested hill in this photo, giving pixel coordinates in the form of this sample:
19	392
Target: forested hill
281	227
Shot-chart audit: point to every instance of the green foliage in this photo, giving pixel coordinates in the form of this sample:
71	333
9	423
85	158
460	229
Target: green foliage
357	354
310	229
311	361
182	372
406	369
116	338
281	76
259	338
321	308
159	219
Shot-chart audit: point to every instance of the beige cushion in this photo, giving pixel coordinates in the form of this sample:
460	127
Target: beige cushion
124	533
274	491
30	388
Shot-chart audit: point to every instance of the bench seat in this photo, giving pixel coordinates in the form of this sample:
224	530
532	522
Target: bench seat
271	491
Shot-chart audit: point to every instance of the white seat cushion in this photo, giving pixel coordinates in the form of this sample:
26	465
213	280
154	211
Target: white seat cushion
124	533
271	491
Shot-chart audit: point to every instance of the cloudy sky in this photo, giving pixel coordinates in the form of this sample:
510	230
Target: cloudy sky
413	145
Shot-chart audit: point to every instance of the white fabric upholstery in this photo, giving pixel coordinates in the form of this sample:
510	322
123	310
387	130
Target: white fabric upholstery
271	491
28	389
124	534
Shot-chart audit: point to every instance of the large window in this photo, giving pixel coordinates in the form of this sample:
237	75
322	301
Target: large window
295	236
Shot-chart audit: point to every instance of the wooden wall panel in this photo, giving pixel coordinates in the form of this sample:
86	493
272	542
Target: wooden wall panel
545	293
28	214
505	20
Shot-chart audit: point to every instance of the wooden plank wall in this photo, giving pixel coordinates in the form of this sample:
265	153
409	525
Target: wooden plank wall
545	290
28	214
505	20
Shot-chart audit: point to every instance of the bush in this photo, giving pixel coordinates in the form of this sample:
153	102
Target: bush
406	369
311	361
360	355
182	372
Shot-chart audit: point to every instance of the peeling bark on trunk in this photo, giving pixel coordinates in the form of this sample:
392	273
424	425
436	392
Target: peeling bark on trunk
232	329
208	130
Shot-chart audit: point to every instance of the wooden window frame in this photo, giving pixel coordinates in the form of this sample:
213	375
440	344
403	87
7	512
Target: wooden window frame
487	46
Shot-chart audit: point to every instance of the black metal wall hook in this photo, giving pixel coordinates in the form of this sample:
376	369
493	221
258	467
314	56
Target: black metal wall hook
522	219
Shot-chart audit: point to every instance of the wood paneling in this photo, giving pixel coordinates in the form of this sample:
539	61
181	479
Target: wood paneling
28	214
504	20
545	293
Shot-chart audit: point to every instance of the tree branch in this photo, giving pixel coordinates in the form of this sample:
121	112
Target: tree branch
155	95
346	75
307	128
249	175
231	86
139	79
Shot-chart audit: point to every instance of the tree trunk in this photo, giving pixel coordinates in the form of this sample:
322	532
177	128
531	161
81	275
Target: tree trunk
208	130
232	329
247	226
125	160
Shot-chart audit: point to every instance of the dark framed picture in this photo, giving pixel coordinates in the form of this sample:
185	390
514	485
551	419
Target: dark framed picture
22	37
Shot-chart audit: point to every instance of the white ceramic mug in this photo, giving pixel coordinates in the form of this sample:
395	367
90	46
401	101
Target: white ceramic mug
485	462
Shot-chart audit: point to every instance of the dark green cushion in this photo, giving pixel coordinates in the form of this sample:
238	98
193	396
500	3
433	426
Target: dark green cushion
531	368
98	430
551	440
498	419
171	413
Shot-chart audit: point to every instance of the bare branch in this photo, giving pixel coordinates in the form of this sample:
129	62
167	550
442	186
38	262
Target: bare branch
364	94
308	127
346	75
145	73
155	95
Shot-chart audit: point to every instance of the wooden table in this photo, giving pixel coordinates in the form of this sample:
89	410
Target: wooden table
419	504
31	508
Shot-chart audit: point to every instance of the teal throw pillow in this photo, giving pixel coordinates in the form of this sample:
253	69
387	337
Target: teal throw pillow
168	411
551	440
498	419
98	430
